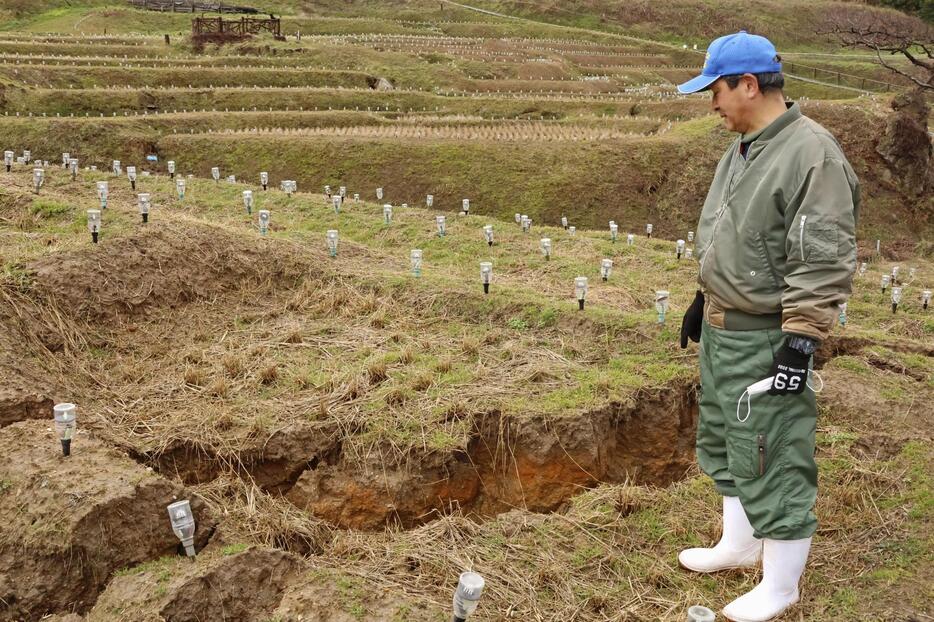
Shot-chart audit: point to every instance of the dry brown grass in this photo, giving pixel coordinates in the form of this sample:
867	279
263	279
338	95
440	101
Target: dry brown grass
195	376
219	387
233	365
422	381
269	374
377	371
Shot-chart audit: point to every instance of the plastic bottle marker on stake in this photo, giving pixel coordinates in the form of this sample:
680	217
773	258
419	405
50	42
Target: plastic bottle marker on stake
103	191
545	245
486	275
332	242
183	524
661	304
925	299
144	201
580	291
180	188
38	178
679	248
465	206
572	231
488	234
697	613
171	167
94	223
614	232
606	267
415	257
248	201
884	282
65	424
387	213
216	174
896	297
429	200
842	317
467	596
263	221
379	194
441	225
630	239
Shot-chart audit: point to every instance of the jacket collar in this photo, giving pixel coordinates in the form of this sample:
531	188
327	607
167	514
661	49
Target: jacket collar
762	138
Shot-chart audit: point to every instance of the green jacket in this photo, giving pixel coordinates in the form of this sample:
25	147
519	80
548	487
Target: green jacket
778	230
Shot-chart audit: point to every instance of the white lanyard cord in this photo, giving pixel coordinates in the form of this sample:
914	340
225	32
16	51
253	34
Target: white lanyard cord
748	397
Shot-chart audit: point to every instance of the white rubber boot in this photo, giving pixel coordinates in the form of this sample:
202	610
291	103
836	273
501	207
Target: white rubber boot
782	565
737	548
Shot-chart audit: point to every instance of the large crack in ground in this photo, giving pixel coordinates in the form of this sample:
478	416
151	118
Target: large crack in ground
532	463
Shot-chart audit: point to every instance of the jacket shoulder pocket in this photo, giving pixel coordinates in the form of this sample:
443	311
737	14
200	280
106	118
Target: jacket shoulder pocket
823	244
818	239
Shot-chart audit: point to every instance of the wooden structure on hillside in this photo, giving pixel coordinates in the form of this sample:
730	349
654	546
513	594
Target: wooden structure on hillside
191	6
218	28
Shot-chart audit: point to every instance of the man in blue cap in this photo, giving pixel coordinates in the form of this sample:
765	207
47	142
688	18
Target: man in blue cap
777	251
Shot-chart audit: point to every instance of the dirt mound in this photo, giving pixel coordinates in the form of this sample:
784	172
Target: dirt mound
535	463
26	392
69	523
162	266
327	596
19	401
228	585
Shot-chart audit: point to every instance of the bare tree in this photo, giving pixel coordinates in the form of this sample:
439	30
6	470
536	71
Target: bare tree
888	34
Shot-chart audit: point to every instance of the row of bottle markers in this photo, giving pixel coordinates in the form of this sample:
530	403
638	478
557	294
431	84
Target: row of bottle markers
337	199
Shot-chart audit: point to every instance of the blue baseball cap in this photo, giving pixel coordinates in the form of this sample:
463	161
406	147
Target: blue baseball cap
733	55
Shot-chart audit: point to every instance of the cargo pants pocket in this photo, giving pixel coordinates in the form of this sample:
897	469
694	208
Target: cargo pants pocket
747	453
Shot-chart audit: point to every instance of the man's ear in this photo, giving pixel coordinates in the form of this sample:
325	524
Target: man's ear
750	85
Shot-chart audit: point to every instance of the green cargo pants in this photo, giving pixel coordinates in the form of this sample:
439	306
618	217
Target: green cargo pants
768	460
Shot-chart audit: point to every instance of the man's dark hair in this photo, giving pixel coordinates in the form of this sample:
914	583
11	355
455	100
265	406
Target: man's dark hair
767	81
773	81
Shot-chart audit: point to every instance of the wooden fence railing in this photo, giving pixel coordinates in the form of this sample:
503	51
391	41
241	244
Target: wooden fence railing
837	77
191	6
212	26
